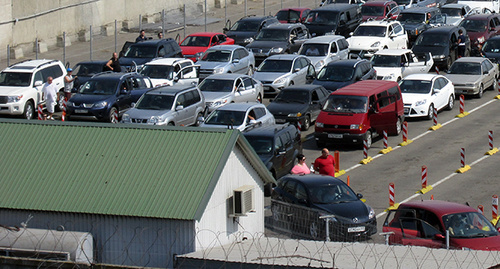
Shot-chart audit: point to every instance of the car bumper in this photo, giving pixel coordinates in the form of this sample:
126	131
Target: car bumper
12	109
333	138
93	113
465	90
273	88
411	111
285	119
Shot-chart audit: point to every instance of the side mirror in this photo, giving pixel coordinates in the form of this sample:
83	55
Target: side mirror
359	195
439	236
492	29
179	107
296	70
252	122
485	72
240	88
123	92
176	78
132	105
351	33
225	30
235	61
38	83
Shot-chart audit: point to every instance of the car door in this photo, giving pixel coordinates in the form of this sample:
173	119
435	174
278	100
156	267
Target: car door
240	92
385	115
488	73
298	74
411	65
181	108
401	39
38	77
315	106
238	64
438	96
249	91
124	98
187	74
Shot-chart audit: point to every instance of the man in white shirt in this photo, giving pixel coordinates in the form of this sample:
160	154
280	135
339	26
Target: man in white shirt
49	92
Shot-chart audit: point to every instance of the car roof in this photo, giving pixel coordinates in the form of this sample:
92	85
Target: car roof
240	106
255	18
346	62
91	62
226	47
165	61
294	8
393	51
439	207
442	29
285	57
205	34
268	130
481	17
231	76
29	65
381	22
307	87
336	7
454	5
377	3
326	39
113	75
471	59
419	10
283	26
493	38
365	87
150	42
170	90
421	76
312	180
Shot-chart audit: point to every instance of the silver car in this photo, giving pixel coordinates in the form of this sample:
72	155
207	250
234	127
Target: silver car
178	105
226	59
472	75
324	49
222	89
241	116
280	71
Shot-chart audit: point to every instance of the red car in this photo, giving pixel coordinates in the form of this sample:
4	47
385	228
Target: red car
480	28
292	15
194	45
424	223
379	10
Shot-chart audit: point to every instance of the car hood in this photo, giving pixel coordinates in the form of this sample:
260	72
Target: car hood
241	128
384	71
492	56
480	243
129	61
267	76
318	29
331	85
350	210
373	18
362	42
266	45
433	50
146	113
412	98
6	90
240	36
88	98
160	81
408	26
280	109
211	65
334	118
188	50
212	96
462	79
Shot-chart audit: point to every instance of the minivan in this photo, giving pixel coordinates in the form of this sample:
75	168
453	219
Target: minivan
359	112
338	19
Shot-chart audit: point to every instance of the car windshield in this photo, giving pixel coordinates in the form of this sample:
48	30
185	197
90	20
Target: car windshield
465	68
336	73
273	35
411	17
158	71
403	2
261	145
314	49
292	96
87	70
217	56
386	60
245	26
196	41
226	117
155	102
468	225
415	86
288	15
15	79
216	85
140	52
322	18
346	104
452	12
367	30
474	25
433	40
277	66
332	194
99	87
372	10
492	46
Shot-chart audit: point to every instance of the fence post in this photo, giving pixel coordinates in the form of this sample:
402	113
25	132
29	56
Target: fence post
264	7
246	8
8	55
163	22
64	47
184	18
140	22
36	48
91	42
225	11
116	36
205	15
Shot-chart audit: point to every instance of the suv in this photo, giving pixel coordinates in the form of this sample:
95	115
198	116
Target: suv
21	86
416	20
338	19
396	64
106	95
145	51
171	71
322	50
226	59
480	28
244	31
379	10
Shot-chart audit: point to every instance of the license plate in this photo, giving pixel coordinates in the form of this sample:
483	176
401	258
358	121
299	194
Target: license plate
280	121
334	135
356	229
81	111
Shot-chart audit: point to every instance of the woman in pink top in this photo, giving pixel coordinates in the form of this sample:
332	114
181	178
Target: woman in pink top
301	167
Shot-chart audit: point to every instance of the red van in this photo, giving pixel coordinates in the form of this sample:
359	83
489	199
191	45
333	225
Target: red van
360	111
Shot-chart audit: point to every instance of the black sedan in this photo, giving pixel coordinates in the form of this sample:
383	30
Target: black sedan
304	204
299	104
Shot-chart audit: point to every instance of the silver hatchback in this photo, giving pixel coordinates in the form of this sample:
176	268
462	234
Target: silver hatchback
226	59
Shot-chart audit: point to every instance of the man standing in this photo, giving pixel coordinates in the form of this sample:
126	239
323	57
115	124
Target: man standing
325	164
49	94
114	64
141	37
68	83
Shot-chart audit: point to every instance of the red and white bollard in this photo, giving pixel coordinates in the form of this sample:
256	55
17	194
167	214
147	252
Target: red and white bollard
63	117
391	194
494	209
336	156
115	116
462	104
385	139
299	126
424	177
405	131
490	139
480	209
40	112
365	149
462	157
435	117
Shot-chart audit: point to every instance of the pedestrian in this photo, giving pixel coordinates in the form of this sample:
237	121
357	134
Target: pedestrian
461	43
69	83
49	94
325	164
141	37
301	167
160	35
113	63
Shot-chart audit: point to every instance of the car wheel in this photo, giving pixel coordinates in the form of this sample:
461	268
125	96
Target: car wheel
368	139
451	103
259	98
314	230
307	123
290	84
60	101
399	126
197	122
480	92
430	112
170	124
29	110
250	71
111	116
448	63
494	86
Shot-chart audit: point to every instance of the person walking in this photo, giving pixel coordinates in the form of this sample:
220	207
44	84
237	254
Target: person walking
113	64
325	164
49	94
461	43
141	37
69	83
301	167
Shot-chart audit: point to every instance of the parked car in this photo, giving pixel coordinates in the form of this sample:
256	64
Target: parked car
292	14
379	10
298	104
179	105
194	45
85	70
491	49
278	39
241	116
106	95
322	50
491	6
424	223
137	54
338	19
226	59
324	195
350	2
279	71
406	4
373	36
441	42
480	28
246	29
21	86
341	73
360	111
472	75
223	89
396	64
455	13
424	92
416	20
170	71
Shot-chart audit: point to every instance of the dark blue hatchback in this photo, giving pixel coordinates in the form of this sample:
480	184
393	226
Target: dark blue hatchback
341	73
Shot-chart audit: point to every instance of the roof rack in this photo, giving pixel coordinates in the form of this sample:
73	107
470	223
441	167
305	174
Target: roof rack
49	62
20	62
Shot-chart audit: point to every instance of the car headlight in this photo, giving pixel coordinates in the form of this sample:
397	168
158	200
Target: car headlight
319	64
279	81
197	56
248	40
219	102
371	215
388	77
14	99
126	118
376	44
101	104
439	56
70	104
154	119
421	102
470	84
481	39
276	50
295	115
320	124
218	70
354	126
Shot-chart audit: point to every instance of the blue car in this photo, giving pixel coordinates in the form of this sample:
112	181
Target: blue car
107	96
341	73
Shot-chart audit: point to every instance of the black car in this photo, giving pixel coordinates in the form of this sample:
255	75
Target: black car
246	29
298	104
417	20
278	39
107	96
491	49
142	52
85	70
341	73
302	199
441	42
338	19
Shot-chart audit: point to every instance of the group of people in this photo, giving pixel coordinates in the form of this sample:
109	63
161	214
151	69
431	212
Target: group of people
324	164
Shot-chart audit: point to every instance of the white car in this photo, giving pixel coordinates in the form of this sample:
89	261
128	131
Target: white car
322	50
170	71
241	116
424	92
373	36
394	65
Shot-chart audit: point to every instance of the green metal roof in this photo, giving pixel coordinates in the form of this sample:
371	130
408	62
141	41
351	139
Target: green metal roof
141	171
